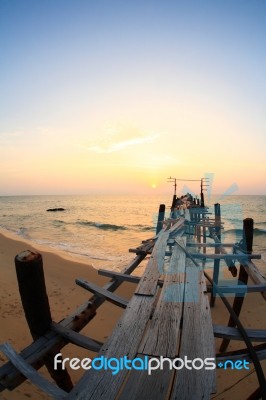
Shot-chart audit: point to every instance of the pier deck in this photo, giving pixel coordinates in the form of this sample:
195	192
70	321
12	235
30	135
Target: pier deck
171	322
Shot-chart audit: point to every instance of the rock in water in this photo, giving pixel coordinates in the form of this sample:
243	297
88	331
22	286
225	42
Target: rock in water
56	209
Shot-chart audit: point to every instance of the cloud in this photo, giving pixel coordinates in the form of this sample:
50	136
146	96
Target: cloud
122	145
117	144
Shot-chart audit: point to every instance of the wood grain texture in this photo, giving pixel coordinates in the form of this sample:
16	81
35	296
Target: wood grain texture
33	376
161	337
197	339
109	296
124	341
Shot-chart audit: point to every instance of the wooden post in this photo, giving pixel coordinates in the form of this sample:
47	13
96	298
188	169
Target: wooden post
248	227
202	200
32	289
160	218
216	264
173	203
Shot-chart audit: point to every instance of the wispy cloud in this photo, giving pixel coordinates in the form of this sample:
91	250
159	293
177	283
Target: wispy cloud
122	144
116	136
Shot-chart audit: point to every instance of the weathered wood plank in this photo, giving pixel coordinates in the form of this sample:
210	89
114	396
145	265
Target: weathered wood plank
241	289
227	332
28	371
161	337
124	341
197	339
140	385
193	244
77	338
149	281
125	277
109	296
119	276
228	256
243	354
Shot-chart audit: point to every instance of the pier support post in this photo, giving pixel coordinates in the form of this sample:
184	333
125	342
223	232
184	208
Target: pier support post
32	289
202	204
160	218
248	227
216	265
173	202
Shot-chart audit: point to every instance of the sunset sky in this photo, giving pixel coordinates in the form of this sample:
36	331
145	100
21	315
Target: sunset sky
115	96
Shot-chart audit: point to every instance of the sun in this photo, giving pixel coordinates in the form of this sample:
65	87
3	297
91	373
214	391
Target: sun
153	186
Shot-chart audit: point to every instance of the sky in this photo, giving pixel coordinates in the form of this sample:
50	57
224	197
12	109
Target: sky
115	96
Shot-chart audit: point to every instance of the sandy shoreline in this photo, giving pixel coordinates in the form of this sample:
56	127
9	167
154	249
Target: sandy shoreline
65	296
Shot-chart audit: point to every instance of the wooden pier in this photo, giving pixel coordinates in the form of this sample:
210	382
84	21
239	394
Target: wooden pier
166	326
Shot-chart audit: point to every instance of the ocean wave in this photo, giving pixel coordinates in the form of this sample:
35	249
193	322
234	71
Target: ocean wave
257	231
23	232
143	228
103	226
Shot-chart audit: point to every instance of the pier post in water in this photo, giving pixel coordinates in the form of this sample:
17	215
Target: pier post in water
216	265
248	228
161	214
202	204
32	289
173	202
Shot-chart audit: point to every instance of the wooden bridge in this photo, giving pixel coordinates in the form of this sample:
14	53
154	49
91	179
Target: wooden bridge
167	320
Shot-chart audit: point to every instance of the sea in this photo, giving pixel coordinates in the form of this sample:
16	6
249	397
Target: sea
99	230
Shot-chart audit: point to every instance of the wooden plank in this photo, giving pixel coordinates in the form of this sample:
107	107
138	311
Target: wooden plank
124	341
141	386
77	338
124	277
227	332
119	276
243	354
28	371
177	226
109	296
239	288
228	256
193	244
149	280
161	337
197	339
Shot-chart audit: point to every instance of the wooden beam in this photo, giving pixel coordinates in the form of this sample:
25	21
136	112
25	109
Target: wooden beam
227	332
33	376
119	276
77	338
228	256
124	277
193	244
99	291
243	354
239	288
